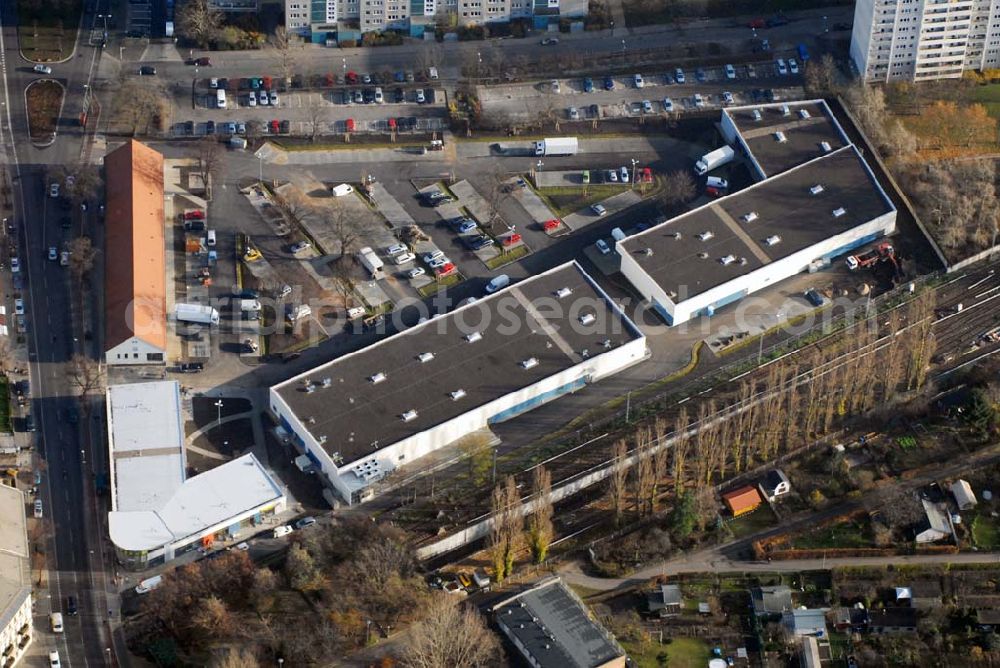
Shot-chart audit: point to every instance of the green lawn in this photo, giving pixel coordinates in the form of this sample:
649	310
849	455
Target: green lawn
644	12
989	97
512	255
673	653
842	534
985	532
758	520
47	29
447	281
565	200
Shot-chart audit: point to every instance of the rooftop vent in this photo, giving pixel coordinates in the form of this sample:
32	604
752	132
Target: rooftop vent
729	259
678	235
780	136
816	189
563	292
703	256
839	211
785	111
473	337
750	217
322	439
457	394
773	240
671	294
377	378
529	363
409	415
310	388
825	145
425	357
607	344
327	382
803	114
587	319
755	114
706	235
648	252
743	262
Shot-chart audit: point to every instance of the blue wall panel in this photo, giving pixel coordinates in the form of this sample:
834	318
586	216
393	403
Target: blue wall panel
528	405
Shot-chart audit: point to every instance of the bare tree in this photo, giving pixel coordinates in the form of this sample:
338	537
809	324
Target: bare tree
540	524
498	539
209	154
199	21
314	118
236	657
138	103
450	635
81	257
821	76
302	572
513	521
85	184
284	49
86	375
678	188
617	484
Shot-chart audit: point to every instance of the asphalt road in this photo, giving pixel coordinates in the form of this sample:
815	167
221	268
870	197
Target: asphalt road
75	547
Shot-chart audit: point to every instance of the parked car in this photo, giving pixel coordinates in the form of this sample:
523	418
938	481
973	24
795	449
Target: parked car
679	75
700	75
609	83
18	306
415	272
602	246
273	98
668	105
550	41
573	113
463	225
623	174
299	246
283	530
612	176
42	69
599	209
53	254
588	85
647	107
305	522
399	95
730	72
420	96
814	297
147	71
793	66
191	367
727	98
782	68
54	190
638	81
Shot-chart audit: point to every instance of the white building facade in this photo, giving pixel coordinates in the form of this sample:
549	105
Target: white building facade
920	40
17	629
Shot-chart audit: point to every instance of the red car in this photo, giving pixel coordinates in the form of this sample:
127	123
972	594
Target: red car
275	127
510	239
267	83
758	23
351	78
194	214
550	225
349	124
330	80
445	270
646	175
392	123
714	192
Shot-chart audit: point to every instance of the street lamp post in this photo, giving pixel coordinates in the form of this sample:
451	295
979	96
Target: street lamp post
635	175
218	413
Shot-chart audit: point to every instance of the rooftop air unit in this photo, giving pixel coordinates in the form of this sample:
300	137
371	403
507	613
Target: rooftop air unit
529	363
750	217
587	319
803	114
773	240
671	294
838	212
310	388
377	378
825	145
409	415
706	235
648	252
562	293
703	256
816	189
425	357
780	136
473	337
677	235
729	259
327	382
457	394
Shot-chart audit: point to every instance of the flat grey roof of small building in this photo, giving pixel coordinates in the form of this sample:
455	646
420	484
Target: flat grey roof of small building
785	208
359	417
555	629
803	136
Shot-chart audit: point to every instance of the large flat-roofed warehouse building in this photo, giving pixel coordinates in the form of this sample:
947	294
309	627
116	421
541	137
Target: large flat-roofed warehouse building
796	219
362	415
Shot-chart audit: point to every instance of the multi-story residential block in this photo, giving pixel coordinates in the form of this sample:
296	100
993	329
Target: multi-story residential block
316	18
919	40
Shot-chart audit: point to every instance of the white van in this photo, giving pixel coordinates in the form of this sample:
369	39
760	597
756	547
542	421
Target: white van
432	73
56	622
497	283
220	98
617	234
211	237
148	585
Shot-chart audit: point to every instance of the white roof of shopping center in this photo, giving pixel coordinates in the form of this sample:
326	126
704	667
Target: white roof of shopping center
153	504
207	500
147	444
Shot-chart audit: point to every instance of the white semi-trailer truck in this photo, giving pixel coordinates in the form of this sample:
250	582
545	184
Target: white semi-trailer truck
557	146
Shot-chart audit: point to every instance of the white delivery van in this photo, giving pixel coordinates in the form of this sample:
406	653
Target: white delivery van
148	585
56	622
220	98
211	237
497	283
617	234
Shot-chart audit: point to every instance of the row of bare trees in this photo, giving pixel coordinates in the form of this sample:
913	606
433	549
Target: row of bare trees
507	529
790	404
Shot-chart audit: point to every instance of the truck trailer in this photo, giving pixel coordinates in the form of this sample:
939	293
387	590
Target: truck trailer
371	262
557	146
205	315
714	159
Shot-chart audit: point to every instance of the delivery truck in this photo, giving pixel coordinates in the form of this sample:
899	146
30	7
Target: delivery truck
205	315
371	262
557	146
714	159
